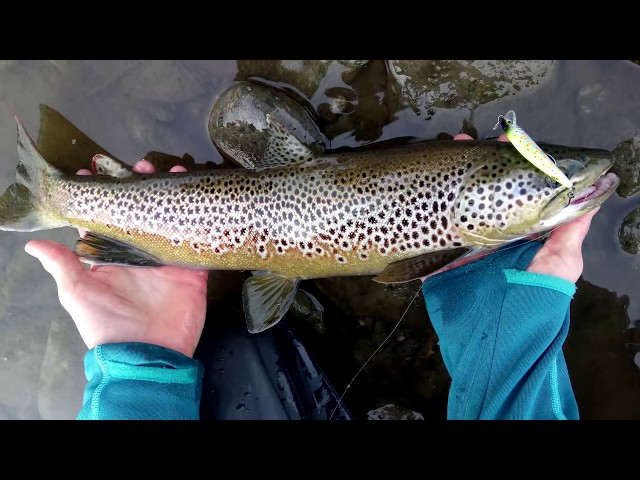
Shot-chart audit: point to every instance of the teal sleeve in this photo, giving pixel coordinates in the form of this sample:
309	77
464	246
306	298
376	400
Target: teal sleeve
501	331
140	381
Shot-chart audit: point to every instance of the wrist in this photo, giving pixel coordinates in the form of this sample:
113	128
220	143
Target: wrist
184	346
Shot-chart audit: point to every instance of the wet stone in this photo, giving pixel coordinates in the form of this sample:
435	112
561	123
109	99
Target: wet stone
629	233
362	297
393	412
306	76
428	85
605	380
238	119
627	166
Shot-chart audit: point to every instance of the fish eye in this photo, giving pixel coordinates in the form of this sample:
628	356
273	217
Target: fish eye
570	167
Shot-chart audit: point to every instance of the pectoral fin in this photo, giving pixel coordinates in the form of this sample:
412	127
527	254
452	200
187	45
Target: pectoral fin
416	267
98	250
266	299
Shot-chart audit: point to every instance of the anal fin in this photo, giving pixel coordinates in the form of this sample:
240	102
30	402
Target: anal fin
98	250
413	268
266	299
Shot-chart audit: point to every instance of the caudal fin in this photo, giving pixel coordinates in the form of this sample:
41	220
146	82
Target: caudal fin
20	206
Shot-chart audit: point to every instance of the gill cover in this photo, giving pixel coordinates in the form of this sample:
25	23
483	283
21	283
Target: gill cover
502	200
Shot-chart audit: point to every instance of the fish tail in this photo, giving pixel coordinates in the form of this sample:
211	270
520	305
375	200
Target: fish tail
21	206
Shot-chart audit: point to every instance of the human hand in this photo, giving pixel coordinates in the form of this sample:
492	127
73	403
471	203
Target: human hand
163	306
561	255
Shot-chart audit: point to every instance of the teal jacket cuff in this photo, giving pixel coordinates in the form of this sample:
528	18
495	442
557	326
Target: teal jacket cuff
140	381
501	333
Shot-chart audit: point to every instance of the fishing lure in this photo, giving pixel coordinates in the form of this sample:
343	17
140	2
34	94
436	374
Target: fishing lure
531	151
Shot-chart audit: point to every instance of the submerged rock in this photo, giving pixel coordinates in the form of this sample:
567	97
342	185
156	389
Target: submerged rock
306	307
393	412
605	380
238	119
627	166
629	233
430	84
362	297
306	76
362	107
348	98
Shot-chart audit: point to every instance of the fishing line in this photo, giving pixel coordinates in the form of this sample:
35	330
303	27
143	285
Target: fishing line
414	296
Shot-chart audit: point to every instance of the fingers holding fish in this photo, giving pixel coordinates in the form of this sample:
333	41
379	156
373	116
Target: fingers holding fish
145	166
561	255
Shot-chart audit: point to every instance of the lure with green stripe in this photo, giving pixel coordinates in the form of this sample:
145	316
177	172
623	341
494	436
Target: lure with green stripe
530	149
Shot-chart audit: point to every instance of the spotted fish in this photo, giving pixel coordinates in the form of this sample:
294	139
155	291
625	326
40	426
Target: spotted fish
398	214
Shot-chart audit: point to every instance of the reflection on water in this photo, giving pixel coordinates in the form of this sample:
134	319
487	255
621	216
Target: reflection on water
134	107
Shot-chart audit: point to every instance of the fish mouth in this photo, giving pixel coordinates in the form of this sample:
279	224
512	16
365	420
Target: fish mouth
563	208
598	191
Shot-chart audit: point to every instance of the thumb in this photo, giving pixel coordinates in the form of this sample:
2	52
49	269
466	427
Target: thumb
58	260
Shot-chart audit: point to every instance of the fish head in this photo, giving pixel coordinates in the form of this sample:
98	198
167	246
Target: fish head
507	197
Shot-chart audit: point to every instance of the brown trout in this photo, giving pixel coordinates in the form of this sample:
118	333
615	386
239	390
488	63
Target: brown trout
398	214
